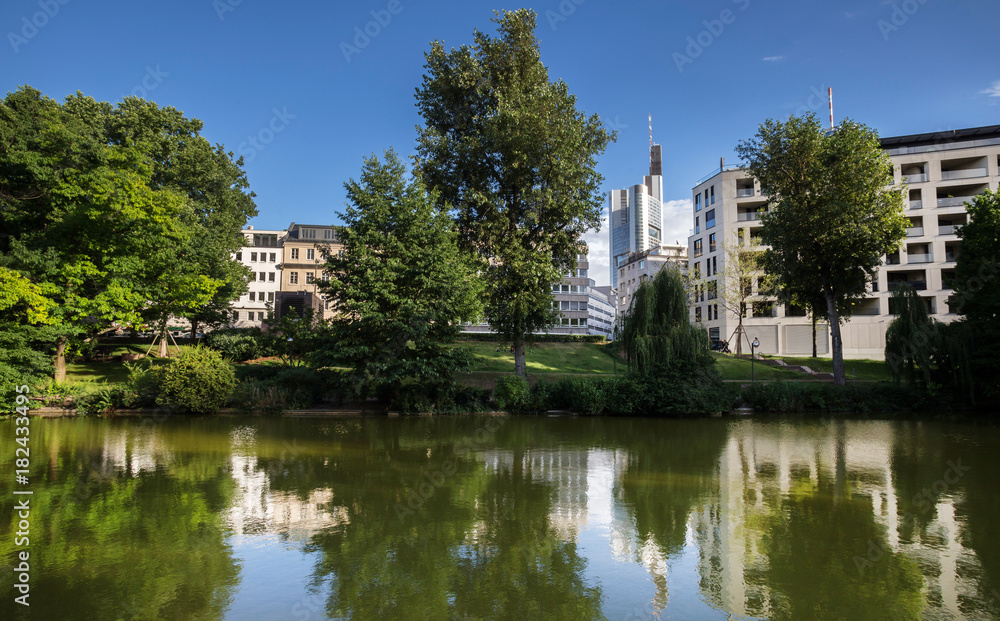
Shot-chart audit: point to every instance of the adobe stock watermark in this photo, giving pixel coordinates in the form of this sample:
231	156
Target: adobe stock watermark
30	26
255	144
901	14
565	9
363	35
225	6
153	78
924	502
697	44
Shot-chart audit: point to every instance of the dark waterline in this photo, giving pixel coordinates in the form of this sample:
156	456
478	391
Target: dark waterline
505	518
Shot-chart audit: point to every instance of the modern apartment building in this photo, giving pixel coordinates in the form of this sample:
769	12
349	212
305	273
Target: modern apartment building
635	215
302	268
584	308
643	265
942	171
262	254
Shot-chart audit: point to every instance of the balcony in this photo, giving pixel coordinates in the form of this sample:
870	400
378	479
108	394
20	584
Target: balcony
892	259
918	178
744	192
954	201
748	216
920	258
915	231
946	229
919	285
969	173
950	257
867	311
916	204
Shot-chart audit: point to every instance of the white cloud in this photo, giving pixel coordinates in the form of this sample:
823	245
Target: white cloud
993	91
676	228
772	59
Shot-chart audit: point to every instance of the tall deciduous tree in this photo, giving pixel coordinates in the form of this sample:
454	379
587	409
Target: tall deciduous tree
832	214
509	150
401	286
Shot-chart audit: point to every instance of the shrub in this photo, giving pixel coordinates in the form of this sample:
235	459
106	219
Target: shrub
241	344
512	394
199	381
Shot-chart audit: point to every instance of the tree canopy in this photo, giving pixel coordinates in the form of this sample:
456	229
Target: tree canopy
401	286
507	148
832	214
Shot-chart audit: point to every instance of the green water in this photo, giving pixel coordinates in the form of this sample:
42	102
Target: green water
503	518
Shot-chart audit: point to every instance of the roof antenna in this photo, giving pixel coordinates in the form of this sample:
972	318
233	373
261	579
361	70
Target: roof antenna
650	141
830	92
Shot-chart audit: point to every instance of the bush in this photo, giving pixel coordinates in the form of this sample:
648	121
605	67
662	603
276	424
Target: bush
793	397
512	394
241	344
199	381
488	337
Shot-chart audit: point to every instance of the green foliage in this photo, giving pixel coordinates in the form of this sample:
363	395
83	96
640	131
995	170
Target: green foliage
657	336
911	339
509	151
864	398
831	218
199	381
401	286
242	344
512	394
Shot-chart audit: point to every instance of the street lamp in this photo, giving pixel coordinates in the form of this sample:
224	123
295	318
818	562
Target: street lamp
753	346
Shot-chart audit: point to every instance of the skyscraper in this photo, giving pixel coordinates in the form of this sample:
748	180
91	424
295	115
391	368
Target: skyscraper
635	216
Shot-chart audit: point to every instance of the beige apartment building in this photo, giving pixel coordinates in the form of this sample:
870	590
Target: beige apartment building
942	171
644	265
302	268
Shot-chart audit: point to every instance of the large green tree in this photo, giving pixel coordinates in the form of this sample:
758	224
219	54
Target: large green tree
401	286
832	213
509	150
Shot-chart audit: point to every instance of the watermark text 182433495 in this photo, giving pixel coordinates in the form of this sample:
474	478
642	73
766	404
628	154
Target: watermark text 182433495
22	497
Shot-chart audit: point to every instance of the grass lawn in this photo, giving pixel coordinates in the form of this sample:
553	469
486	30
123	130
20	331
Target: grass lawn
866	369
574	358
732	368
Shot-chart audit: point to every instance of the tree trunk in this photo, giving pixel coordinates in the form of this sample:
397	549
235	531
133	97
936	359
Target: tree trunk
839	376
194	331
814	333
60	376
162	351
520	367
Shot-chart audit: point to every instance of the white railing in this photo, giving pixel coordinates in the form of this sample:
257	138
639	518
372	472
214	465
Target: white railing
946	229
744	192
919	178
915	231
916	204
954	201
968	173
920	258
748	216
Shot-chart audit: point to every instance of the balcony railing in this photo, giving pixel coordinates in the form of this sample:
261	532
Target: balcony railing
918	178
867	311
919	258
915	231
916	204
950	257
969	173
744	192
919	285
954	201
748	216
946	229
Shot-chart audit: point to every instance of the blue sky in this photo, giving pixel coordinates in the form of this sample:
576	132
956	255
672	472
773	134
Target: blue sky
296	90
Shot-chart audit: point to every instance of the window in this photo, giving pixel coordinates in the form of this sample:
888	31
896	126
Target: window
263	276
708	268
697	201
564	305
293	278
270	296
253	276
697	224
327	233
260	316
308	233
715	265
739	235
253	257
253	296
713	195
295	253
310	254
272	258
709	219
697	270
706	198
697	314
309	277
326	277
642	265
711	242
236	315
697	247
715	307
270	277
239	256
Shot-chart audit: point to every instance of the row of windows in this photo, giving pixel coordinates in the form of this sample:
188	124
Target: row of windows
709	198
250	316
259	297
310	253
263	257
713	313
293	278
262	276
570	289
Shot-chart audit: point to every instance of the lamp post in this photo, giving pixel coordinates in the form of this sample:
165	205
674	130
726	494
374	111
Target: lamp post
753	346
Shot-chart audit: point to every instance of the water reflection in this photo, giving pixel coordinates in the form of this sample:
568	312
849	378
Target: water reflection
521	518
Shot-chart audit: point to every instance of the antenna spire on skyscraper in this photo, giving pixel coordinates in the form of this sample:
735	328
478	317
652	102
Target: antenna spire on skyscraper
650	139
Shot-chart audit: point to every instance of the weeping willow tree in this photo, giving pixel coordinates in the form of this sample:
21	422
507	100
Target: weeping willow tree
911	339
657	335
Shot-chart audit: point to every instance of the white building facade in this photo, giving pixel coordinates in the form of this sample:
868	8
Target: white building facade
635	216
262	254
